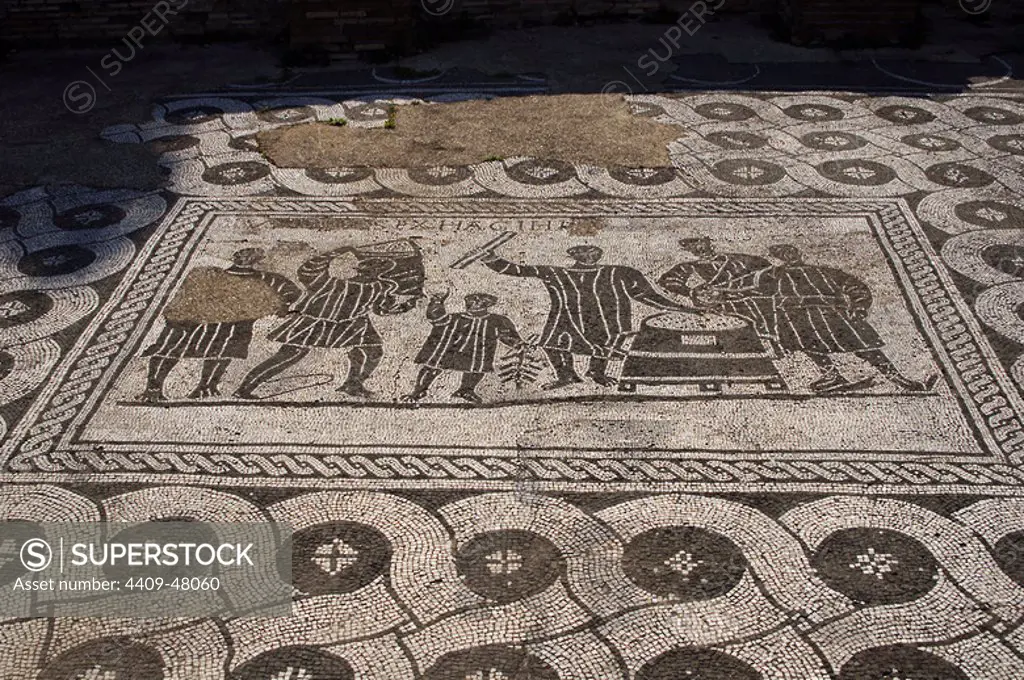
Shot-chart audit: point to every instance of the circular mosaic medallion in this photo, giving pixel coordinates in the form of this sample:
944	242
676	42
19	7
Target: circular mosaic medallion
958	175
295	663
112	659
89	217
726	111
8	218
239	172
930	142
195	115
1009	551
644	177
684	563
56	261
1009	143
832	141
748	172
162	532
23	306
286	114
905	115
857	171
440	175
699	664
338	175
508	565
490	663
736	140
990	213
898	662
538	172
813	113
172	143
338	557
245	143
876	566
1005	258
990	115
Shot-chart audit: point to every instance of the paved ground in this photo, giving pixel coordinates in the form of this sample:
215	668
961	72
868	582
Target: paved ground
757	415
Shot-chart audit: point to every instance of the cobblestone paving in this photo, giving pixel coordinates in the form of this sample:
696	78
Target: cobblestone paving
754	416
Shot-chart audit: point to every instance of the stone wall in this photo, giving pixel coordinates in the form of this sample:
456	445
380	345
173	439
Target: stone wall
868	22
367	25
46	23
351	26
525	12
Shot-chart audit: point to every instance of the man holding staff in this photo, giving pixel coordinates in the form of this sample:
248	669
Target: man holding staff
591	306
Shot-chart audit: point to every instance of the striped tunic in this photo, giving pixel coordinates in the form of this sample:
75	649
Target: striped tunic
219	340
463	342
335	312
807	308
590	306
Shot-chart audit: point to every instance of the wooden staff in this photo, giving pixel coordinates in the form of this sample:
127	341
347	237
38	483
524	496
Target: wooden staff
478	253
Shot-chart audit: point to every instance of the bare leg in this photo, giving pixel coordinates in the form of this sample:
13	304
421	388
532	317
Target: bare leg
830	377
362	363
424	380
209	379
159	369
565	373
598	372
467	387
880	361
286	357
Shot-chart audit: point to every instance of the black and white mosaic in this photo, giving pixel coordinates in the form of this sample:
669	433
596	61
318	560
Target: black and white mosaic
517	584
643	333
757	415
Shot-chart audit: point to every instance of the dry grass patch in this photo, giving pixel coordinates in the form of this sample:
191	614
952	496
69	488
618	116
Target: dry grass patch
594	129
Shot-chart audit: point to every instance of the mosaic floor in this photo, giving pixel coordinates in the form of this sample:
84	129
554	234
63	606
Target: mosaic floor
755	416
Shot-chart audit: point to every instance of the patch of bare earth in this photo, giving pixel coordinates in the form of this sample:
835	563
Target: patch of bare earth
593	129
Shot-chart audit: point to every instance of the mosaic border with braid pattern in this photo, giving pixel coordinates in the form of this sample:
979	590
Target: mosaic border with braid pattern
34	453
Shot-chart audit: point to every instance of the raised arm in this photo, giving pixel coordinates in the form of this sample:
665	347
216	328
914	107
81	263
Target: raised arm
503	266
281	285
436	313
387	303
315	267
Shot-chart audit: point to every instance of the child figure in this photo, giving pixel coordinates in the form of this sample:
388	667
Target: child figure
462	341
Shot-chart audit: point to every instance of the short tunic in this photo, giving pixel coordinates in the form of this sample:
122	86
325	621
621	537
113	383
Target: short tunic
334	312
308	331
183	339
462	342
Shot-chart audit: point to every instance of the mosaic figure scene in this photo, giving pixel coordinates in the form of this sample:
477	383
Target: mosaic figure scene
427	340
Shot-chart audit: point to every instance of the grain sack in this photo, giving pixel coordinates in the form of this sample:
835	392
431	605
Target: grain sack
407	273
210	295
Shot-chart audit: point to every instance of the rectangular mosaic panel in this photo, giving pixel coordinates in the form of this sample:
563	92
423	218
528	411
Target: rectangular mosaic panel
332	343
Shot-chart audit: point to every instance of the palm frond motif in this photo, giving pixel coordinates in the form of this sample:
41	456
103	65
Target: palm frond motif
522	366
